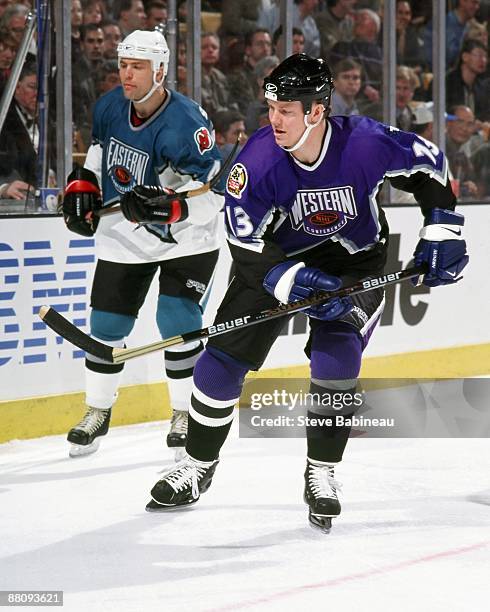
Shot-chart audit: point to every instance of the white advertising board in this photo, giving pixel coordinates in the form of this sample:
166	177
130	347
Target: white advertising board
42	263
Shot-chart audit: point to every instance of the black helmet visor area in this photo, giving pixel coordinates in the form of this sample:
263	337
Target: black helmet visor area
300	78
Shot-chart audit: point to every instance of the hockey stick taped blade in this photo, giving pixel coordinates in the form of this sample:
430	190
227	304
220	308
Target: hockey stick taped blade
76	336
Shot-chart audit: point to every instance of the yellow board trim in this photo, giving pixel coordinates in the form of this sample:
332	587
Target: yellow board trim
49	415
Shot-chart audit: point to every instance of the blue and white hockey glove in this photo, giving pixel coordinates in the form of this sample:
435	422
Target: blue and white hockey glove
442	248
291	281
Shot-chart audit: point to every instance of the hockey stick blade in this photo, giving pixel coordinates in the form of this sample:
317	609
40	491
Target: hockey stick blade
67	330
192	193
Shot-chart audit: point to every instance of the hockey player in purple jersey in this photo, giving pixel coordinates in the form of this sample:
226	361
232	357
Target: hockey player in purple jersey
302	215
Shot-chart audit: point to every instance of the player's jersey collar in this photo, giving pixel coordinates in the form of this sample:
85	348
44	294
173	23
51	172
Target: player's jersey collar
323	152
159	110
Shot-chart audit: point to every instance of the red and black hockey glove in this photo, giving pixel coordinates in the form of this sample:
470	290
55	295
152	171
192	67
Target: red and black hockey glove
151	204
81	198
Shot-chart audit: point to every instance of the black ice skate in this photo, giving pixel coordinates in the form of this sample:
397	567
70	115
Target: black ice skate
177	436
84	437
182	484
321	494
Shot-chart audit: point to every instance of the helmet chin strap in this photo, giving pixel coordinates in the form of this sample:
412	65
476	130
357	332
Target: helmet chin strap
153	88
302	140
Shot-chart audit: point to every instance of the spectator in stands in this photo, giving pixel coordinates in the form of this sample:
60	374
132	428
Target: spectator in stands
303	19
347	75
457	23
409	45
93	11
407	82
336	23
130	14
182	67
467	84
83	86
76	21
481	165
365	50
241	17
298	42
423	121
19	139
14	21
156	13
4	4
477	31
8	50
112	37
106	77
459	131
242	82
258	111
228	125
214	90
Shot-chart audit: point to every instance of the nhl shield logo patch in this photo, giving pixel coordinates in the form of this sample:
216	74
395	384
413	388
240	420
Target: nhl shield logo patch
203	140
237	180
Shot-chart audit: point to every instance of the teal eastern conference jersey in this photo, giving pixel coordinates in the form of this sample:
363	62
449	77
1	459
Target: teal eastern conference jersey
174	148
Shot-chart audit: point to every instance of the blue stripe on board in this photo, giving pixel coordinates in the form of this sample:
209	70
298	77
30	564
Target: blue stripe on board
29	342
75	259
80	275
48	276
11	278
75	244
11	328
7	295
34	358
34	245
8	263
7	312
9	344
38	261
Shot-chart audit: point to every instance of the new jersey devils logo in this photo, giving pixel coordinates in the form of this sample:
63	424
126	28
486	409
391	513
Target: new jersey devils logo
203	140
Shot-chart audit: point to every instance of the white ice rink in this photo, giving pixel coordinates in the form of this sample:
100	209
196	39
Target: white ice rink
414	533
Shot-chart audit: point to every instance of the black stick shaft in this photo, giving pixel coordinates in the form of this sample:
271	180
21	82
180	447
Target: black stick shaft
121	355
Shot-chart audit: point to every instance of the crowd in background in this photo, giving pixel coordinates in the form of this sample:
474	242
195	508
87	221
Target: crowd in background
241	42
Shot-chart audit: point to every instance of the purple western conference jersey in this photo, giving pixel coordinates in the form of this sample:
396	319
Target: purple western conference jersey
278	207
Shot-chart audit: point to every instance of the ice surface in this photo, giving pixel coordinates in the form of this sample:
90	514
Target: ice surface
414	533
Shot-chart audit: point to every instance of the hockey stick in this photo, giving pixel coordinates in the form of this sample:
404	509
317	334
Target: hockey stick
191	193
76	336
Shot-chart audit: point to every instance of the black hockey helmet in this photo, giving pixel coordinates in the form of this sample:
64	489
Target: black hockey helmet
300	77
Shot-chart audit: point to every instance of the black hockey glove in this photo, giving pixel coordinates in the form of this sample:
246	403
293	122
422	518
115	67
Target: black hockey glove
151	204
82	197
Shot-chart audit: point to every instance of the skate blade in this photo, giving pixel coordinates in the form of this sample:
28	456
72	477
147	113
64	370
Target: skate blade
153	506
320	523
79	450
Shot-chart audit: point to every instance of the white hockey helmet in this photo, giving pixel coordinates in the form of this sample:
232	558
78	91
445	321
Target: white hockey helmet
146	45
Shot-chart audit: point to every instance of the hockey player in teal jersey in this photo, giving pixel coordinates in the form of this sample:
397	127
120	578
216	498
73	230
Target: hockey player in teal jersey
148	142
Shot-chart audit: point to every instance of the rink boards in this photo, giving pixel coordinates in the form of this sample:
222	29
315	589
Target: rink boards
437	332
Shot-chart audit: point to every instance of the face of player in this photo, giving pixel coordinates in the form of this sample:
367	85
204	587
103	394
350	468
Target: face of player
287	121
26	93
136	77
348	83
